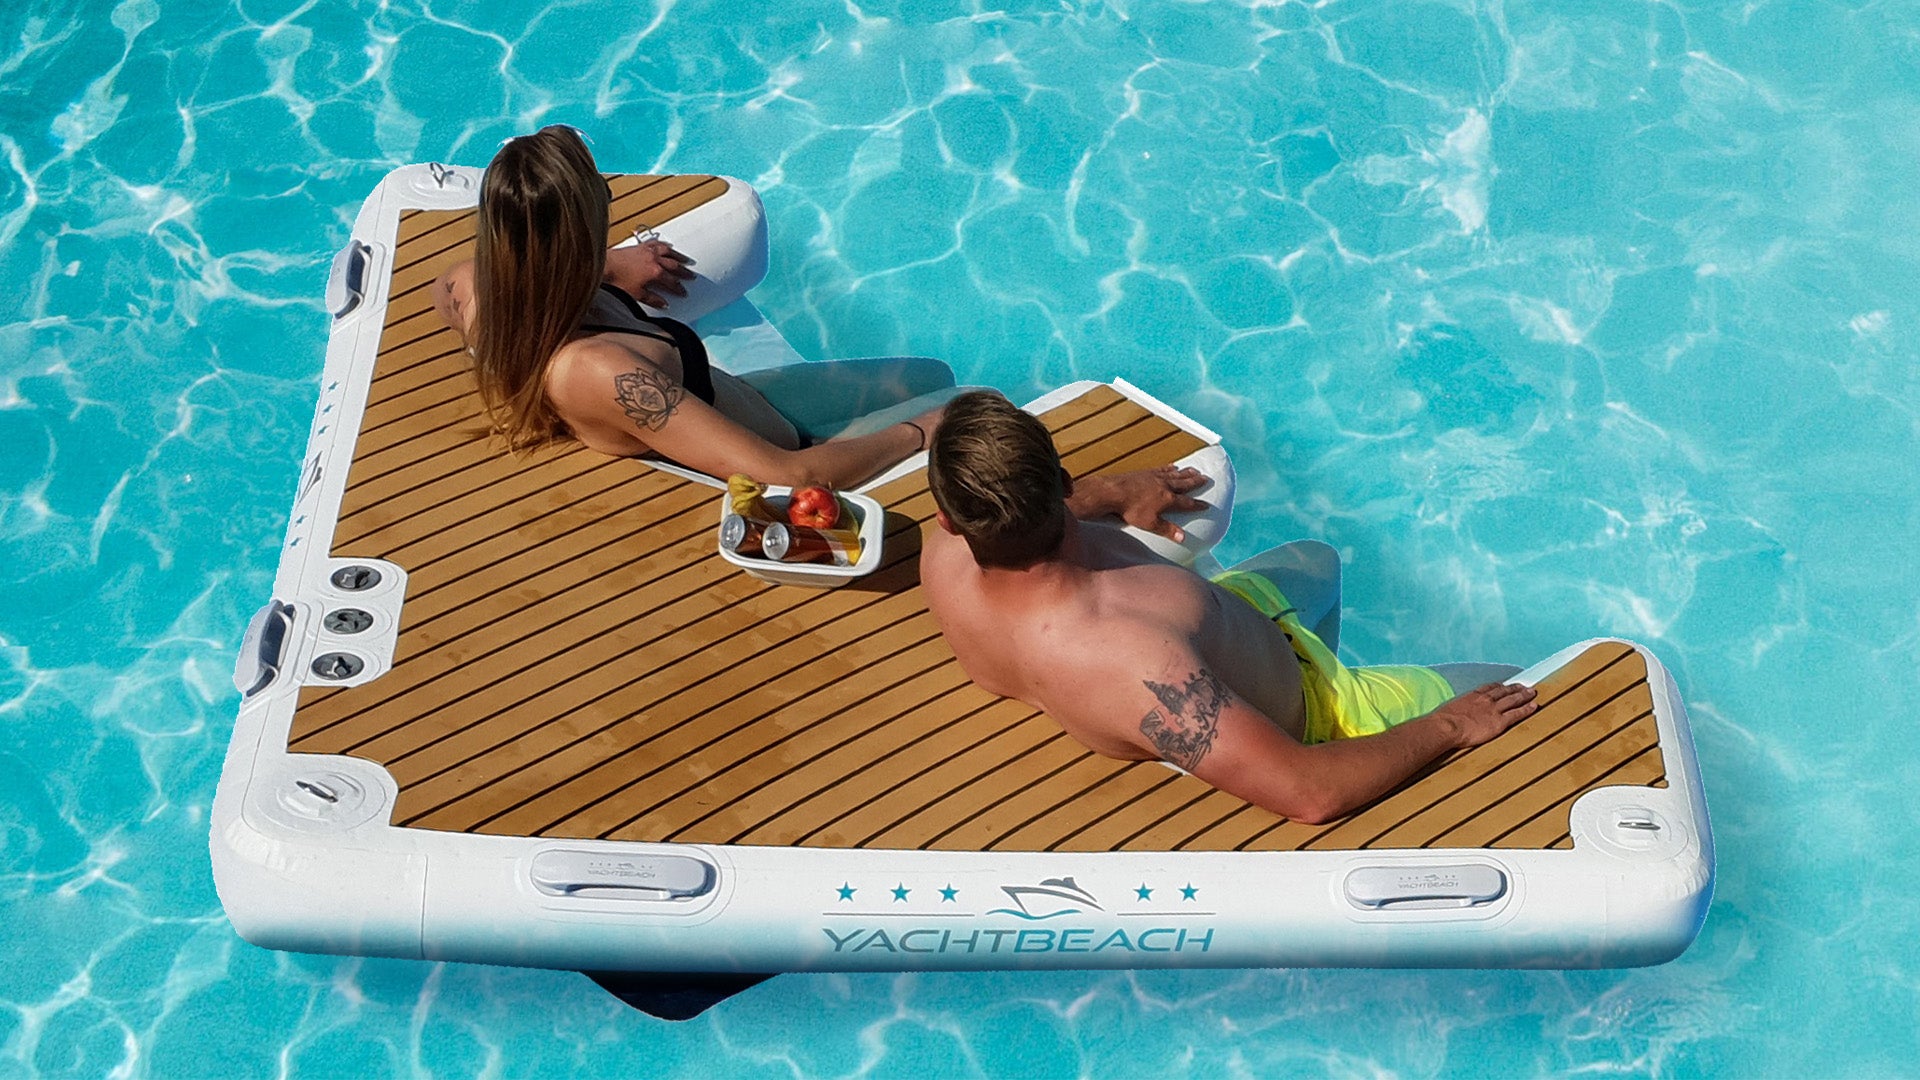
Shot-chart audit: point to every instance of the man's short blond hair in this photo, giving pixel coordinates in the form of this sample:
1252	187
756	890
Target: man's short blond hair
995	473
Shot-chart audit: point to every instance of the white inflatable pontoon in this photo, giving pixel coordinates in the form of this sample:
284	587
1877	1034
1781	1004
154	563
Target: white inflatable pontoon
519	711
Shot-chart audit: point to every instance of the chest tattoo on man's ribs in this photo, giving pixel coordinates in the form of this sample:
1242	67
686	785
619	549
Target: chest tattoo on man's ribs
1182	728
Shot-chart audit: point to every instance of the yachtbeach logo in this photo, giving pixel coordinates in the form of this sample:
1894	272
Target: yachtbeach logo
1054	896
1049	899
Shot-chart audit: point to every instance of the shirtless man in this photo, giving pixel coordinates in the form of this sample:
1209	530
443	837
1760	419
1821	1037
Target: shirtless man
1139	659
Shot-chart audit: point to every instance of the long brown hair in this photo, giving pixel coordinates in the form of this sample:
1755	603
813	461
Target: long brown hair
540	252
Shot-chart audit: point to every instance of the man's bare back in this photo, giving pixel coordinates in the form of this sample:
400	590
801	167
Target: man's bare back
1111	604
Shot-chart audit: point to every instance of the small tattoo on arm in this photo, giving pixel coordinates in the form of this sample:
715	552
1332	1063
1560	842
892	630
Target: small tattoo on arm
1182	729
647	396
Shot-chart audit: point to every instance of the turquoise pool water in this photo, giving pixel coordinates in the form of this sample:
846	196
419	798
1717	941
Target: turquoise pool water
1558	319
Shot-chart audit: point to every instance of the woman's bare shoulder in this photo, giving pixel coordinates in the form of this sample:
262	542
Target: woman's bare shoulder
592	384
586	368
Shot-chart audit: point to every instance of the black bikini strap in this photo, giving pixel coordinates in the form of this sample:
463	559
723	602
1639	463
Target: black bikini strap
652	332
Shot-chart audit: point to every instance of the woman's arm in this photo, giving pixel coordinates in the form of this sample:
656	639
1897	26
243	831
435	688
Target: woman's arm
620	405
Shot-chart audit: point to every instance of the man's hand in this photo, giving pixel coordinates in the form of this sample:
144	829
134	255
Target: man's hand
1477	716
1140	498
648	271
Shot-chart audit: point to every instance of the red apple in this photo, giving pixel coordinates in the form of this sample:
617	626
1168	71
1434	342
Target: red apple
814	507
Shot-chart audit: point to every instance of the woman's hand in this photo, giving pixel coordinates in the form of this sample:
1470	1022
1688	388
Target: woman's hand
649	271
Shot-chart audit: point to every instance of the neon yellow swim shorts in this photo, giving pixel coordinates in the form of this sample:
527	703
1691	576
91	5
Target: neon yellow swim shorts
1342	702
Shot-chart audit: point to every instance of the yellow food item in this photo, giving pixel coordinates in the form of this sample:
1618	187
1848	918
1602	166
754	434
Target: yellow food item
747	497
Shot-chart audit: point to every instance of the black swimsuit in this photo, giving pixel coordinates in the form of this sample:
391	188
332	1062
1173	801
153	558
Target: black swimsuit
696	369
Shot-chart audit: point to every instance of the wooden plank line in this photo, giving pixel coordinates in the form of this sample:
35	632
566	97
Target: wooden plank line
446	417
1233	831
415	224
570	648
690	516
1121	786
406	534
559	545
912	488
608	500
428	246
738	772
377	504
1019	731
710	766
877	751
1355	831
596	775
408	288
996	827
1543	764
1037	734
384	368
378	501
1110	825
435	357
826	746
1007	713
975	785
668	205
418	645
1020	776
1206	813
414	352
442	389
417	452
1482	824
1089	460
703	668
1553	820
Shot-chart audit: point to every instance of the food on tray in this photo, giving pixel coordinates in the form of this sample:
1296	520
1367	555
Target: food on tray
743	535
814	506
760	527
801	543
748	498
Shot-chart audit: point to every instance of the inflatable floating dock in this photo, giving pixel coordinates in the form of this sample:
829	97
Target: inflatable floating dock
520	711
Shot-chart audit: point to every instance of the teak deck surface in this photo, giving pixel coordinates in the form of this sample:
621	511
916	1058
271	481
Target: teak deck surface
575	660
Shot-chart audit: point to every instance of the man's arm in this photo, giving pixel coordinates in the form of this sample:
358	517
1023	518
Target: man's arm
1186	715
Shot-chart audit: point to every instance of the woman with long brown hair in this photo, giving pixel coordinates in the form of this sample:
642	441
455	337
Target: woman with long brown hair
562	348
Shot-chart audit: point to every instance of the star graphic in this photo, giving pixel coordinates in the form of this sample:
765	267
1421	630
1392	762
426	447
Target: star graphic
949	893
1188	893
846	892
1143	892
900	892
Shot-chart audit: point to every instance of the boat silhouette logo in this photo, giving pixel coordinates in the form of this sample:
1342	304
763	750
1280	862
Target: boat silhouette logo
1053	896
